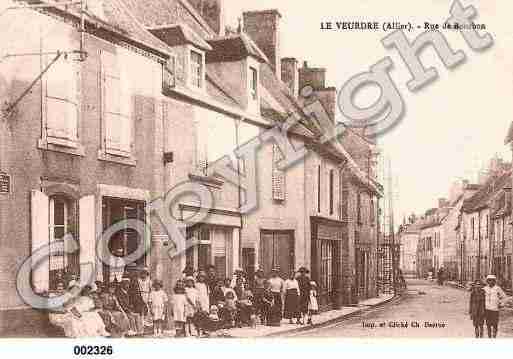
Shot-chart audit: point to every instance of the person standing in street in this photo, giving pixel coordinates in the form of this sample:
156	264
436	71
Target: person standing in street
493	297
477	307
304	293
276	284
291	289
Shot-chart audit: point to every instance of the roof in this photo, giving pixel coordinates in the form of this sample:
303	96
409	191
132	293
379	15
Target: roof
234	48
117	14
175	35
155	13
482	197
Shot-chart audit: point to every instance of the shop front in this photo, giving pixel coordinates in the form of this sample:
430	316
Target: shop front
327	265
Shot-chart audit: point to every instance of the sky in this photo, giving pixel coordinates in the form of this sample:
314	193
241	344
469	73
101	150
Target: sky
453	126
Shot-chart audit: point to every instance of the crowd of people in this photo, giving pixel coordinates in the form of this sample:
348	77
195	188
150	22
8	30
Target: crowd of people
200	304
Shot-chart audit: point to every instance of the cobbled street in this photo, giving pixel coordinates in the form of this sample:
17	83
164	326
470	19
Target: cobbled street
445	308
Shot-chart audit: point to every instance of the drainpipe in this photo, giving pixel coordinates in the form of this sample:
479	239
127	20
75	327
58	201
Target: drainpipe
478	270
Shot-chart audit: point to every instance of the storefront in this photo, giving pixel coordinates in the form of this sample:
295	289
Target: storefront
327	246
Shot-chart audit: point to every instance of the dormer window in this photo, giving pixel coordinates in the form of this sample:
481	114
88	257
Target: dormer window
197	69
253	83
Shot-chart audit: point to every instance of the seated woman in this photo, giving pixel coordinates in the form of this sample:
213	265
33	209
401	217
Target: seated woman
79	317
112	306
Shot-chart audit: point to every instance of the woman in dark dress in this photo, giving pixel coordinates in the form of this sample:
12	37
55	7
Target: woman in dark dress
258	292
304	292
276	284
291	289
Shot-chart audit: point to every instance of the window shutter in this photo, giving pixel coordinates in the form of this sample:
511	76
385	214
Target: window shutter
278	176
62	98
39	207
87	231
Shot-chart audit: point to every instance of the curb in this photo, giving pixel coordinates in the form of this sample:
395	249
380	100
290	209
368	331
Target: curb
332	321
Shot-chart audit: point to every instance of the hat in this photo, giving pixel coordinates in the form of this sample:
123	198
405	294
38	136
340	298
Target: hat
491	276
303	270
190	277
125	280
313	283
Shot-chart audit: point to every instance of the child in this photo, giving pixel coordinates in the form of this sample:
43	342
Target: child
158	300
313	306
192	304
231	307
267	303
477	307
179	304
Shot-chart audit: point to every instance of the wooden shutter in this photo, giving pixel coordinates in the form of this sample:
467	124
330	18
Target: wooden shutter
87	231
278	176
61	100
117	109
39	205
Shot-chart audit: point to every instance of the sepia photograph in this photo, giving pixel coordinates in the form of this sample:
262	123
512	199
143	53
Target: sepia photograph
217	169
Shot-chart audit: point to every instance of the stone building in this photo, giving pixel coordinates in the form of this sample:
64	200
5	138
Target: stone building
159	94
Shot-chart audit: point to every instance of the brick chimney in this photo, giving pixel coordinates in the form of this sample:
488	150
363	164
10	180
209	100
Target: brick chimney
213	13
290	74
263	27
315	77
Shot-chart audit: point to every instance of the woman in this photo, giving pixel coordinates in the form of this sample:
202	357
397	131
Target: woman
258	292
477	307
112	306
304	293
79	317
291	289
276	285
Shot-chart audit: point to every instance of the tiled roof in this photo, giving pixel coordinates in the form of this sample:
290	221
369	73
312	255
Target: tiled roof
118	15
176	35
233	48
480	199
218	90
154	13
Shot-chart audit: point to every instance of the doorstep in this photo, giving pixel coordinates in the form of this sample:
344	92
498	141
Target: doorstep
321	319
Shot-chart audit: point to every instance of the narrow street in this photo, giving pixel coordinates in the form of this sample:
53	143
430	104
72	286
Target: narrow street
444	308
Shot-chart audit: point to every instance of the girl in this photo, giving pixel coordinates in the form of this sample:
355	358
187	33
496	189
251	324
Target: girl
179	309
291	288
192	305
158	300
477	307
313	306
203	292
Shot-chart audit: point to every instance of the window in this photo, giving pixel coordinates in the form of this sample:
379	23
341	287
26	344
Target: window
196	69
472	225
331	191
117	107
61	106
319	189
372	216
253	82
62	217
278	175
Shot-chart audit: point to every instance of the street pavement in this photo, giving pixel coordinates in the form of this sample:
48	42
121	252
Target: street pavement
426	310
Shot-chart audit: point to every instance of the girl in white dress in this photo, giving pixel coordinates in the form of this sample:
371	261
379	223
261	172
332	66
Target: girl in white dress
158	301
192	305
313	306
203	292
179	304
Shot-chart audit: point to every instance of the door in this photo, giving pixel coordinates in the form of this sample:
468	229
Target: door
277	251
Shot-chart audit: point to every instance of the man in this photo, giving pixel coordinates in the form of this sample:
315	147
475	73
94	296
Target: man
493	297
211	281
126	303
140	293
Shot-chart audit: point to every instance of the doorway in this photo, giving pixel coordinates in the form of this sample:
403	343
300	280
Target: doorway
277	251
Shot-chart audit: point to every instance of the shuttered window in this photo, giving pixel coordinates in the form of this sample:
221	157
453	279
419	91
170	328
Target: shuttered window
61	99
278	176
117	105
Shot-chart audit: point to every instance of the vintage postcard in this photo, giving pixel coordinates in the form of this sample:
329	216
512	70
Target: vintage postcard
251	169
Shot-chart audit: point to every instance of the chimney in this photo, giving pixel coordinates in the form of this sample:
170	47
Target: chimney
290	74
212	11
311	76
263	27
